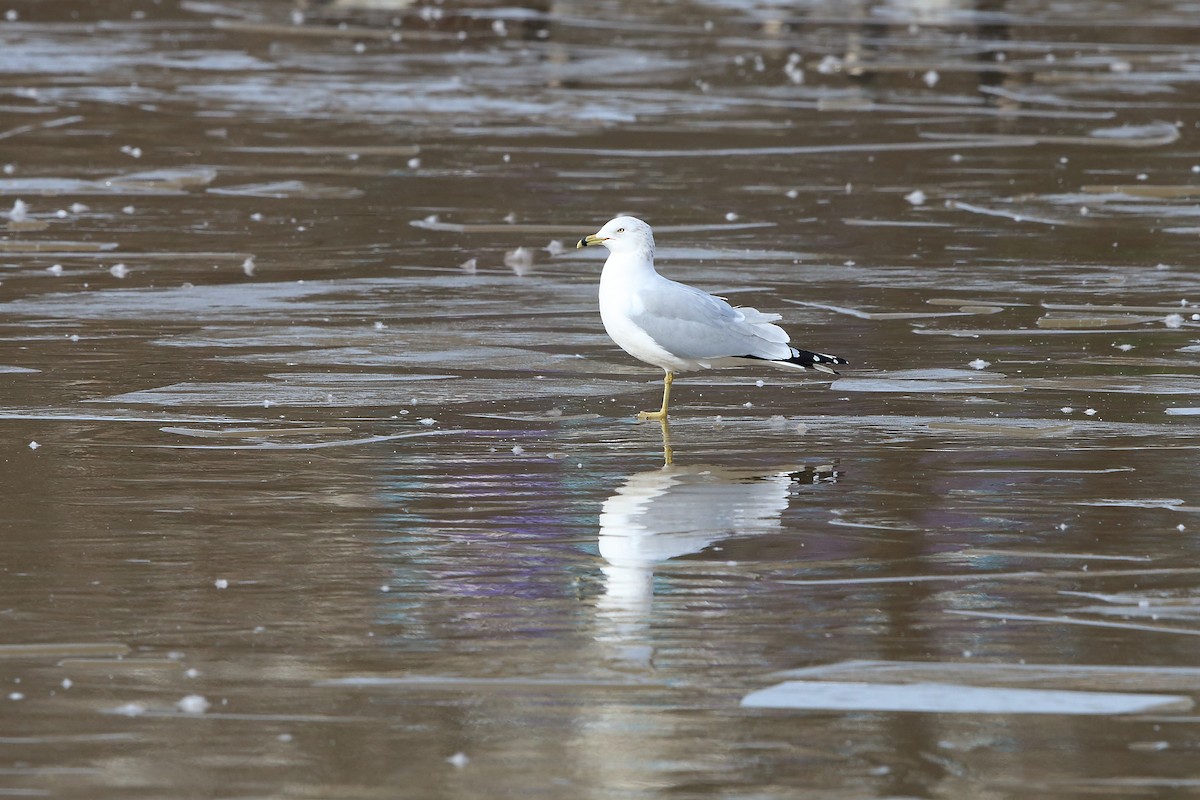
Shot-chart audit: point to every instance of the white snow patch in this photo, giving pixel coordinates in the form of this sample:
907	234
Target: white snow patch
129	710
193	704
520	261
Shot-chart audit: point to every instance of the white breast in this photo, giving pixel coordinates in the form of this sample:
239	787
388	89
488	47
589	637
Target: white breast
617	305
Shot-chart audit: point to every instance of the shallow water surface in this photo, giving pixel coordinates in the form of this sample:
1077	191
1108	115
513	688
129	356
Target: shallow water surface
323	480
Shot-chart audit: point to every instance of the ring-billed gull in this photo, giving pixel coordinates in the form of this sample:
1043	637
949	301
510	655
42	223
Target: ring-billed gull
677	327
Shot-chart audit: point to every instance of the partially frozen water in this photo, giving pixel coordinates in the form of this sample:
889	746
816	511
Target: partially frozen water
321	477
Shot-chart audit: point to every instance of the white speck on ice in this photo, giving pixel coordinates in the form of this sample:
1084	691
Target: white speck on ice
1066	409
379	325
519	261
793	70
257	216
221	583
469	266
385	588
34	445
916	197
192	672
1181	527
747	405
118	270
78	208
428	421
1124	348
555	247
459	760
266	403
248	266
1173	320
760	384
979	363
193	704
1091	412
731	216
19	212
517	449
931	78
829	65
67	683
510	217
14	696
129	710
414	163
792	194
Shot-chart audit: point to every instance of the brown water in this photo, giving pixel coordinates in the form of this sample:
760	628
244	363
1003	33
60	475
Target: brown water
314	511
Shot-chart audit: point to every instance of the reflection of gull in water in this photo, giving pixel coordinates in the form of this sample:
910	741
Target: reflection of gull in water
665	513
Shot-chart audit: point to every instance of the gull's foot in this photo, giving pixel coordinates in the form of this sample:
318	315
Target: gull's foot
658	415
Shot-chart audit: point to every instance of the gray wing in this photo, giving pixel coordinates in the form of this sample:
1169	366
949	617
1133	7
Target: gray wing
696	325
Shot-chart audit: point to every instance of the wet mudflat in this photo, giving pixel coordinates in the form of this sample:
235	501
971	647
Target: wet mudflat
321	478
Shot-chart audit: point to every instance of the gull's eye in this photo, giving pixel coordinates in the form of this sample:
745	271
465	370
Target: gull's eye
620	230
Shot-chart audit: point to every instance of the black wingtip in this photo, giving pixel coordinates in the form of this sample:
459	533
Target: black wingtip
819	361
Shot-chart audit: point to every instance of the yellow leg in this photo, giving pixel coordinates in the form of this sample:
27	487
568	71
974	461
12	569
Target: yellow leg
661	414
